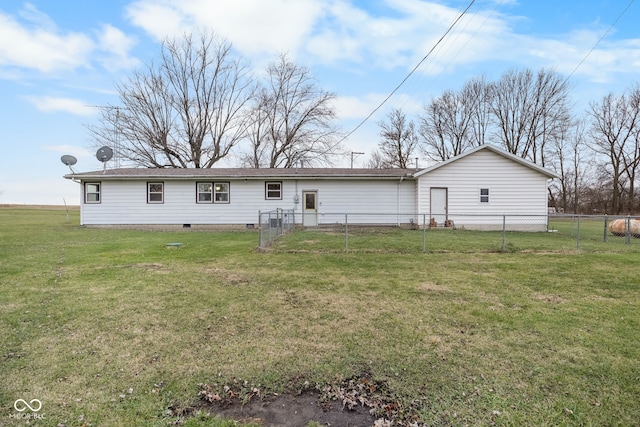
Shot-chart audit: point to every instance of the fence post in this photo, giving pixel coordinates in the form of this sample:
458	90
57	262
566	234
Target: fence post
424	233
606	227
627	233
346	233
504	232
578	236
259	230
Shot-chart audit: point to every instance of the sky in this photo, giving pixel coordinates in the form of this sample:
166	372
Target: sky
61	59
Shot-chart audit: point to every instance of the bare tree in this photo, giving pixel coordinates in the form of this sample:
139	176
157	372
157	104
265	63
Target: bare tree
187	111
447	124
631	157
292	120
528	110
477	92
399	141
571	163
613	135
376	161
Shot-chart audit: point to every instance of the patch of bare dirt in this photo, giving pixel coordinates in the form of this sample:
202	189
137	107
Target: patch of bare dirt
229	277
553	299
287	410
354	402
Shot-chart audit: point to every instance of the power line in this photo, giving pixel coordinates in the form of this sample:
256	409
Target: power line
600	39
446	64
411	72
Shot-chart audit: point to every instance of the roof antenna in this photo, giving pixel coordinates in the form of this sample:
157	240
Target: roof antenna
69	160
104	154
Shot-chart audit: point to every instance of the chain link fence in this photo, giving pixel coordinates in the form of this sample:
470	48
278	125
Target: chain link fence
274	224
353	232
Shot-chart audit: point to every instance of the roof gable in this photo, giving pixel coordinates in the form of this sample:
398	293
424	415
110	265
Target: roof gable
503	153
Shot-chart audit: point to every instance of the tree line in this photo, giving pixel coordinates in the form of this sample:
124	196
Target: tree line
200	103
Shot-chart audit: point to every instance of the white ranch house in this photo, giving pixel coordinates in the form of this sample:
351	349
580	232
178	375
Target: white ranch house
471	190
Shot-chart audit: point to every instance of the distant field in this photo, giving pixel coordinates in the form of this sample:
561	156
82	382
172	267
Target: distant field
109	327
46	207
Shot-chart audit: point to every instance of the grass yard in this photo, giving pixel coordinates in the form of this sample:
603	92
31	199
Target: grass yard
110	328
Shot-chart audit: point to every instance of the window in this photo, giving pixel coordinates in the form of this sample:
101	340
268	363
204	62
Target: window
273	190
155	192
484	195
92	192
221	192
212	192
205	192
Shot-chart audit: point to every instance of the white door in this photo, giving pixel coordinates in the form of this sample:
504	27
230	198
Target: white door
309	208
438	209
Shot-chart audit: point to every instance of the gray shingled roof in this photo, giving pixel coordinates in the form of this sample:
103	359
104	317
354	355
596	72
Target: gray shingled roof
241	173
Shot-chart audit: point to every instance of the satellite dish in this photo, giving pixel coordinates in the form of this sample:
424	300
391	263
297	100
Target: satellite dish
68	160
104	154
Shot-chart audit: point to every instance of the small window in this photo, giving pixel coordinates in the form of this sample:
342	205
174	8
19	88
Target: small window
484	195
205	192
92	192
273	190
155	192
221	192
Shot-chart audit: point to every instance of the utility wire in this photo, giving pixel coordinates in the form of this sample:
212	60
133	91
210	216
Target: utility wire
600	39
464	12
448	63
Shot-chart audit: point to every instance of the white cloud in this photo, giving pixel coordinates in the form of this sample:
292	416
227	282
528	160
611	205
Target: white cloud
159	19
31	14
52	104
351	107
117	45
253	27
41	48
35	42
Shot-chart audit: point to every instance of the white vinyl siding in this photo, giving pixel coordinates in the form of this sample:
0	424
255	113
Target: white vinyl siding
123	202
514	189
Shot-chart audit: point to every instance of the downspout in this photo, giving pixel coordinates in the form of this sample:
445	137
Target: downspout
79	181
398	201
296	204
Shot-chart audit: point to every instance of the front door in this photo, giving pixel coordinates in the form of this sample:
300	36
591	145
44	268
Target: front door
309	208
438	207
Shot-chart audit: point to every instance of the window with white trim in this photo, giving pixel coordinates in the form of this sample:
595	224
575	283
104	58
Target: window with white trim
220	192
155	192
273	190
212	192
92	192
205	192
484	195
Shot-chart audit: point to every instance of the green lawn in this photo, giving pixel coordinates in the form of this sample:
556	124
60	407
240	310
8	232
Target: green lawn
108	327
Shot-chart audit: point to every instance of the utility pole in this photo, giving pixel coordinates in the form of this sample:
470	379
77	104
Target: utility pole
352	154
